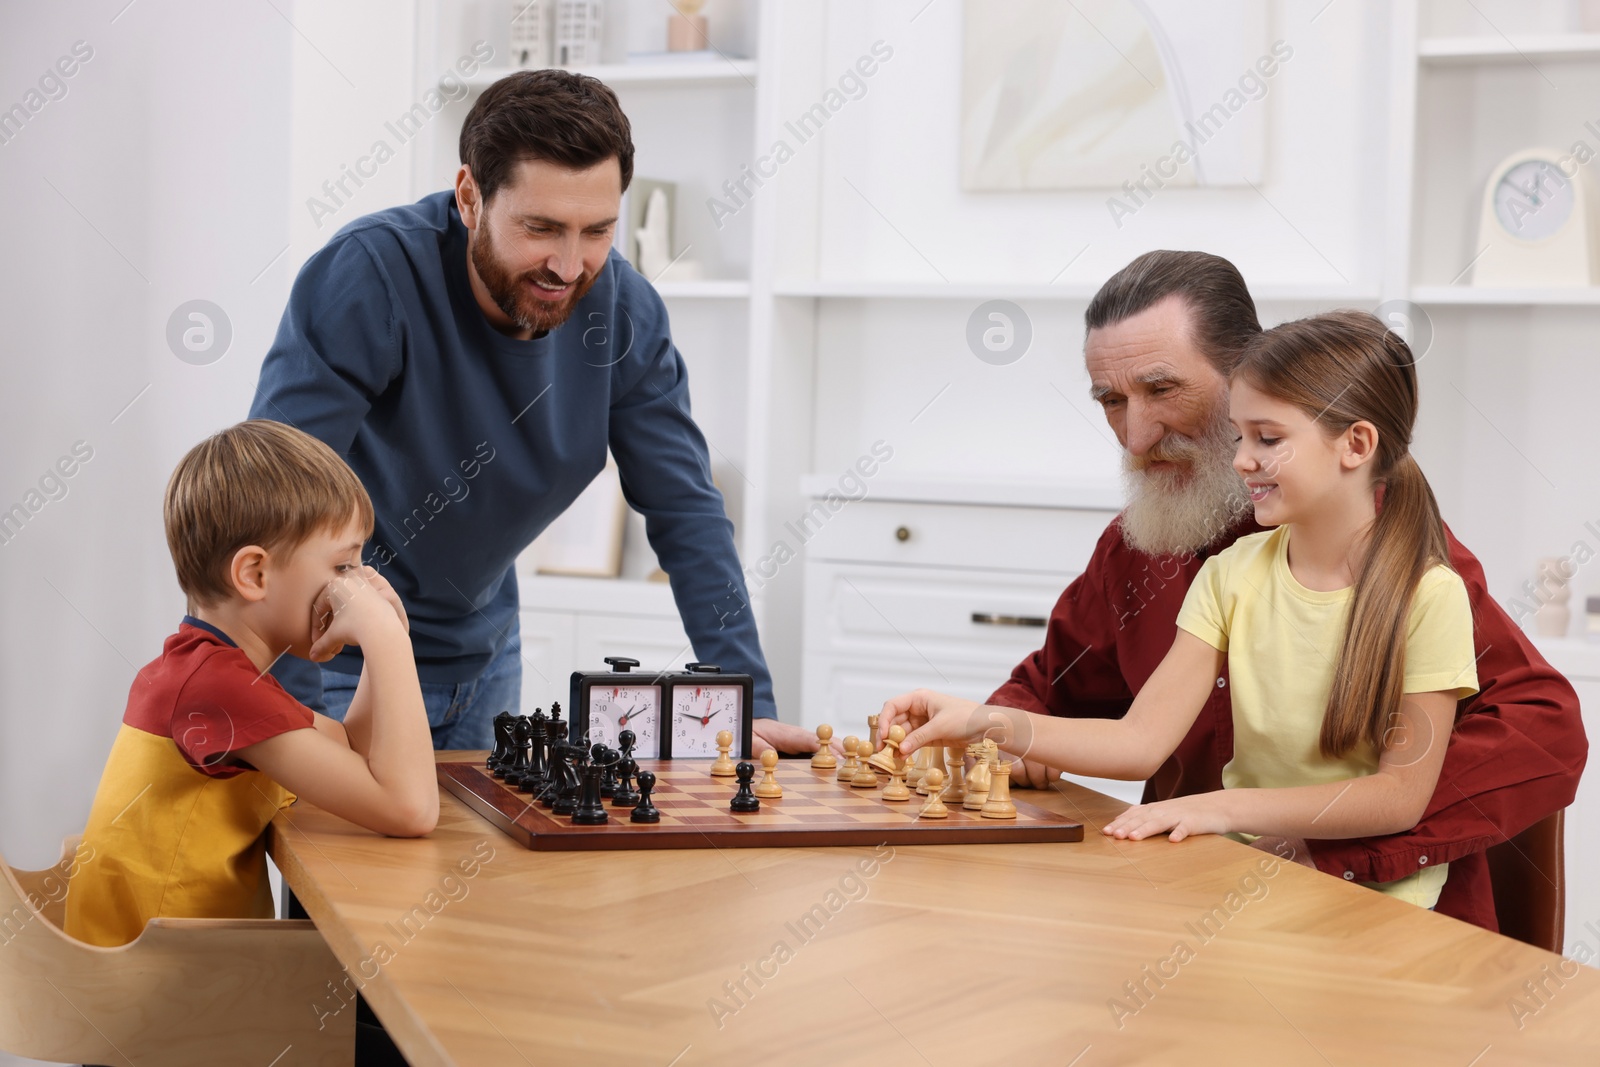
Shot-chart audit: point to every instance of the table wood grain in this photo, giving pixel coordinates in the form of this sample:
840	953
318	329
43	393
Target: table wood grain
474	950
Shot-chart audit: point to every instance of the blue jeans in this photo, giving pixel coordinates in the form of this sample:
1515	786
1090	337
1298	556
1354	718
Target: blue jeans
461	714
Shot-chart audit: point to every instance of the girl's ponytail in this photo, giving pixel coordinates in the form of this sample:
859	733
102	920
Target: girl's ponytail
1406	541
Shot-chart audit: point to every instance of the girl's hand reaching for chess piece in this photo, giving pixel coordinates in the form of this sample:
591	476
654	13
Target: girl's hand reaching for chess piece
938	718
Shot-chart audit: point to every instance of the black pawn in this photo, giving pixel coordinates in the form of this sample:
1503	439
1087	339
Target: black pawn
516	762
745	800
606	758
626	795
645	810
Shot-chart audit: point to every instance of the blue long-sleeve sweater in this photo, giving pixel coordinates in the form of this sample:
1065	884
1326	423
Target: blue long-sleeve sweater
471	443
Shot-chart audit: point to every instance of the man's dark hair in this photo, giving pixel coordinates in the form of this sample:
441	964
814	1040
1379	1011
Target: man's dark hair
555	115
1221	313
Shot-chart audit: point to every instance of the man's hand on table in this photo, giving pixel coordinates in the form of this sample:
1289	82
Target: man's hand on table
787	737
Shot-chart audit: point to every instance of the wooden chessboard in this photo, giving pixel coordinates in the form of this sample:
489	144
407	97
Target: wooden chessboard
815	809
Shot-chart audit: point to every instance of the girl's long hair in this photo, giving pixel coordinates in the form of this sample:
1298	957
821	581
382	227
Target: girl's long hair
1342	368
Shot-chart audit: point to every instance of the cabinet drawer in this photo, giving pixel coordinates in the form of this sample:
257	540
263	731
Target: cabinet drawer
1046	540
963	616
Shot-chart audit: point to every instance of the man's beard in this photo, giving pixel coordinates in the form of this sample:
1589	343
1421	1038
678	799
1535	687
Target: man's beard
510	293
1184	510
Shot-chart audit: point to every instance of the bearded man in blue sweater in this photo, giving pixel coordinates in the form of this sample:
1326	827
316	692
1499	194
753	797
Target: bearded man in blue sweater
473	355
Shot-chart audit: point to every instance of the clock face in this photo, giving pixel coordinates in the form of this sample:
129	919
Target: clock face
614	708
699	712
1533	200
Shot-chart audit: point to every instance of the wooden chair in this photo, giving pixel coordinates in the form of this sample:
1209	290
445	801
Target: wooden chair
1530	889
187	992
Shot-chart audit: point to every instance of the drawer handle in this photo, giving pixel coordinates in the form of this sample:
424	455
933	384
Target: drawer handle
984	618
902	533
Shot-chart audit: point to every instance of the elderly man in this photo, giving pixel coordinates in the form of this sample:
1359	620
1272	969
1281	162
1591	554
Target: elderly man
1162	335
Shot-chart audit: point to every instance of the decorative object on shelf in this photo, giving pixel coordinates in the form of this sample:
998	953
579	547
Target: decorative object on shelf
578	28
686	28
531	25
646	234
1129	95
1537	226
586	541
1591	628
1551	577
653	238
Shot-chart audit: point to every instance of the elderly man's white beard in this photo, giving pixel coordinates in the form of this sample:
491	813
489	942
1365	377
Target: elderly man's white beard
1185	509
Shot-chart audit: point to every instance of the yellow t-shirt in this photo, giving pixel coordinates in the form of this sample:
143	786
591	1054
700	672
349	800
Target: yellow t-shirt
1283	640
176	830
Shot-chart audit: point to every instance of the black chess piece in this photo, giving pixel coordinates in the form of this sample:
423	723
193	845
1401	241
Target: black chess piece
560	768
574	765
502	742
591	808
558	728
516	763
608	778
626	795
646	810
538	767
745	800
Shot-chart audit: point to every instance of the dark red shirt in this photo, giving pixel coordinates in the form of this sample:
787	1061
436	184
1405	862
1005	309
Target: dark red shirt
1515	755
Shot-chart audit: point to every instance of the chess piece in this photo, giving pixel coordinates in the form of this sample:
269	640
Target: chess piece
625	795
557	728
864	778
896	789
572	767
769	789
502	744
538	766
591	807
847	769
978	780
998	804
645	810
872	733
608	782
934	808
517	763
744	801
918	767
824	760
934	761
722	766
888	758
956	791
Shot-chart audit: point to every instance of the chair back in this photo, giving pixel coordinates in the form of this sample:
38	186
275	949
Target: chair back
1529	876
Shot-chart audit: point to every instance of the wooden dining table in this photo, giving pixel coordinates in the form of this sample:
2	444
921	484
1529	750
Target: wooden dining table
473	950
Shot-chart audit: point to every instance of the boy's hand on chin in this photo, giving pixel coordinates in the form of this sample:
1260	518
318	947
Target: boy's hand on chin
352	606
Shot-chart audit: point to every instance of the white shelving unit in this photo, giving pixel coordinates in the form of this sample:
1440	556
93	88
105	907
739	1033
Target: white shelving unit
707	71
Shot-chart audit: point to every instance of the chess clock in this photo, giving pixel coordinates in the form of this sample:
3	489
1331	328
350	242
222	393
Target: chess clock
604	703
1537	224
700	703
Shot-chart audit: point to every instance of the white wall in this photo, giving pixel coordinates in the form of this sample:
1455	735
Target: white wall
168	161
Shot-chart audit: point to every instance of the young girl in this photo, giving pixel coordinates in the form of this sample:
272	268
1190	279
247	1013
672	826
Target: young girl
1347	637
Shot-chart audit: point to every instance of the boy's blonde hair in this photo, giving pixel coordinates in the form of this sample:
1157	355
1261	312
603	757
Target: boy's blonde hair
256	483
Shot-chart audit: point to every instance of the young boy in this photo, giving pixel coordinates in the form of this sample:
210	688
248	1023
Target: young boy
265	525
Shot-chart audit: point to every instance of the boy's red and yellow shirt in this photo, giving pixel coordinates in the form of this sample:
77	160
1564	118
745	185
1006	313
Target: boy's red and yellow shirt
175	830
